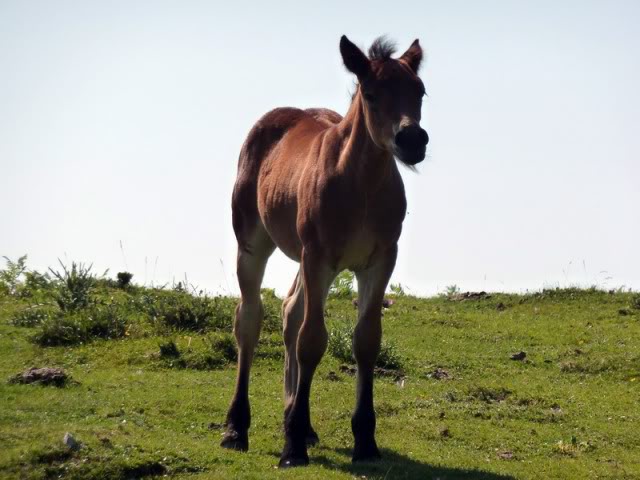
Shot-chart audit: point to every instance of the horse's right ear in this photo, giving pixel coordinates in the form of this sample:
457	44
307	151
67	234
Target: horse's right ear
353	58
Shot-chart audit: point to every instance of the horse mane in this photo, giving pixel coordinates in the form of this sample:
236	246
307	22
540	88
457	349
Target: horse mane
381	49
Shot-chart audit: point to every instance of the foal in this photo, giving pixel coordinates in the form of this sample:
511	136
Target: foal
326	191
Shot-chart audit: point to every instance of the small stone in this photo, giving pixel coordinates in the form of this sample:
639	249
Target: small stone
519	356
70	442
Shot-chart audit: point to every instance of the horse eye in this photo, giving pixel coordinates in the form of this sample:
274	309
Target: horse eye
369	97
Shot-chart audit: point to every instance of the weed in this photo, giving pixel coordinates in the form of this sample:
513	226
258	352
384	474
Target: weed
573	447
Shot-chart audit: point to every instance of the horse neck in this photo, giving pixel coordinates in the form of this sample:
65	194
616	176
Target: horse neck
361	156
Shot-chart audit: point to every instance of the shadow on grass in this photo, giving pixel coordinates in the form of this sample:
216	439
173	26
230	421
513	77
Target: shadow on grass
396	466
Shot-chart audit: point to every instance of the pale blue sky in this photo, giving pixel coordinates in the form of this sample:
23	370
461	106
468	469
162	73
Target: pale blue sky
122	121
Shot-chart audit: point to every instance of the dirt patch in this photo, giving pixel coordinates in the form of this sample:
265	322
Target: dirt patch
459	297
42	376
518	356
439	374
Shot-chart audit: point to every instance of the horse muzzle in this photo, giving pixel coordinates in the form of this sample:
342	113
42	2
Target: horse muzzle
411	144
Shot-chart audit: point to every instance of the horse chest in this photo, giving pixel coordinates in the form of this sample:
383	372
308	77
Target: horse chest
374	227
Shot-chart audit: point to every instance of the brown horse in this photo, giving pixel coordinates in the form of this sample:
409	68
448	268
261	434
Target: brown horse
326	191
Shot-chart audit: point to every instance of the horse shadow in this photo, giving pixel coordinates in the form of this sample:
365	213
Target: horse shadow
397	466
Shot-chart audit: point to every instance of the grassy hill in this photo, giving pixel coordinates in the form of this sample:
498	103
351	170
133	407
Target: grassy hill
152	371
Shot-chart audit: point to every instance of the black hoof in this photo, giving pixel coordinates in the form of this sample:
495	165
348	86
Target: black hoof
294	456
312	438
235	441
368	453
288	462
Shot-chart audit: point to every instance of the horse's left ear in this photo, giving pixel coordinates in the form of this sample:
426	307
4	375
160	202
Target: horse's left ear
413	56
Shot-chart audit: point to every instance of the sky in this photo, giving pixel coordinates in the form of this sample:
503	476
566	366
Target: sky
121	124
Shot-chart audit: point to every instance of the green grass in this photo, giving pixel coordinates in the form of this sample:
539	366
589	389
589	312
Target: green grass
151	389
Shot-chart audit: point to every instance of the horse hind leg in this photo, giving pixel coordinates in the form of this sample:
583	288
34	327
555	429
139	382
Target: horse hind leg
292	316
253	255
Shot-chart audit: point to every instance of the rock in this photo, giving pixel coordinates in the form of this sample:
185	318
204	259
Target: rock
43	376
70	442
519	356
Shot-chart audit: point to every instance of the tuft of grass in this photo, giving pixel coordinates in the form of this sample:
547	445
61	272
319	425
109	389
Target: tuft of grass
106	321
181	311
341	347
169	349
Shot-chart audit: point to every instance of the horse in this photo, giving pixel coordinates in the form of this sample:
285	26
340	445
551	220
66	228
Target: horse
326	191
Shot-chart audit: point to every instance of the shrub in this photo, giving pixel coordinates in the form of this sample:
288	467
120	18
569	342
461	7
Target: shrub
74	286
36	283
169	349
224	344
342	286
97	321
32	316
124	280
397	289
10	275
178	310
341	341
272	310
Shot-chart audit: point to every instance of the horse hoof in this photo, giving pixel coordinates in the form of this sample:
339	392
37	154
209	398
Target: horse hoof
288	462
234	441
312	438
366	454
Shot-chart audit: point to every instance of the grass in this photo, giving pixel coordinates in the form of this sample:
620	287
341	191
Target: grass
151	401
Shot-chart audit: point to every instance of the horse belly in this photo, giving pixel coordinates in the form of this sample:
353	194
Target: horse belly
357	251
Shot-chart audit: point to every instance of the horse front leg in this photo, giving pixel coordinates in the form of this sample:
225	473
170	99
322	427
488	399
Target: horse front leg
310	347
372	283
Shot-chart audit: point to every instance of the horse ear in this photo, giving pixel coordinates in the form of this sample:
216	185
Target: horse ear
413	56
353	58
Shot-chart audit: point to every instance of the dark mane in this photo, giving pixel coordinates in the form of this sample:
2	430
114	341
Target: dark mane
381	49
